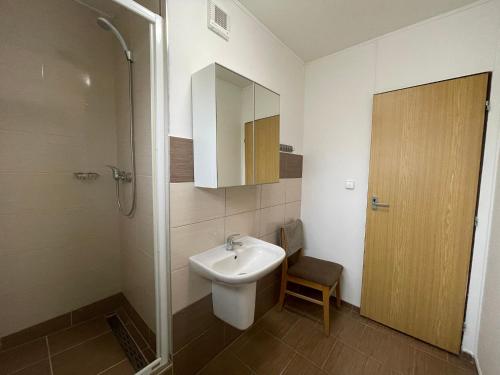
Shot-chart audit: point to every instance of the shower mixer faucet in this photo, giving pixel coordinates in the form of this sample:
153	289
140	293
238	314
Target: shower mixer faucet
119	175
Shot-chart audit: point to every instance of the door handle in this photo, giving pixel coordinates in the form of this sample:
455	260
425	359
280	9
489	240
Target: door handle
376	204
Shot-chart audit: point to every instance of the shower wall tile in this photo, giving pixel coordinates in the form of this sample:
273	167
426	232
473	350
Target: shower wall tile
59	238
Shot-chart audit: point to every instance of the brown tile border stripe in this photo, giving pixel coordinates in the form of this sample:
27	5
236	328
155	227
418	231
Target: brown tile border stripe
290	165
73	318
182	166
181	160
36	331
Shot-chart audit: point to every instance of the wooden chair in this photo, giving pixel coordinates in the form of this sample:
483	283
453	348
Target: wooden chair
307	271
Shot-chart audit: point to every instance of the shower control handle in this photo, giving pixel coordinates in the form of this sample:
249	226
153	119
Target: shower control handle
119	175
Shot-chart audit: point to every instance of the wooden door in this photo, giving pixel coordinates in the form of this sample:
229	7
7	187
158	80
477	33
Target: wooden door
425	164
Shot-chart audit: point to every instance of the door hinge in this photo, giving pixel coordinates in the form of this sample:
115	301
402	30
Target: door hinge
476	221
488	106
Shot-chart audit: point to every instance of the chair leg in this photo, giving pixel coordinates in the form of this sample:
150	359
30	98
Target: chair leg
337	294
326	310
282	291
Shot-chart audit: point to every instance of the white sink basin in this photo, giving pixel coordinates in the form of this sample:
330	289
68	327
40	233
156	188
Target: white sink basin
234	276
244	264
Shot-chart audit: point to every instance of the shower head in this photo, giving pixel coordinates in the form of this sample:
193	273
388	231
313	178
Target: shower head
105	24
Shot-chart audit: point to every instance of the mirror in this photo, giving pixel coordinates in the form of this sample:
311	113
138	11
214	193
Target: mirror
235	130
235	107
266	136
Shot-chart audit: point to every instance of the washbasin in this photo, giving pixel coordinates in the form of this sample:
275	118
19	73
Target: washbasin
245	264
234	274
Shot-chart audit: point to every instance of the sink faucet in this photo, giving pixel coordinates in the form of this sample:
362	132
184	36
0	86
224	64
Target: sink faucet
230	242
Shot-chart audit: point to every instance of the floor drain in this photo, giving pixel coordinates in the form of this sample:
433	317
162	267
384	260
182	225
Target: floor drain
128	345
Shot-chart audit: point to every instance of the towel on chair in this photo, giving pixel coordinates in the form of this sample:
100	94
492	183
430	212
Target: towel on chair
294	236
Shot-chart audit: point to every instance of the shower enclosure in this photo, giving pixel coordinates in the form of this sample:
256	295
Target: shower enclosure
83	194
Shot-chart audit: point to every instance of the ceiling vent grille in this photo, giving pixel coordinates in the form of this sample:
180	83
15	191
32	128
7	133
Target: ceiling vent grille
218	20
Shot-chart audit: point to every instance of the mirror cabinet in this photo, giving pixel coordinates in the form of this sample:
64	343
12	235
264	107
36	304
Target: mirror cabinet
236	126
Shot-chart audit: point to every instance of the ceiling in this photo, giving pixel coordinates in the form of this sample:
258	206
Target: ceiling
316	28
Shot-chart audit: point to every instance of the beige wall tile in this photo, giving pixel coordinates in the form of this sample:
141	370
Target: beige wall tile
193	239
273	194
189	204
247	223
271	238
187	288
272	219
293	189
242	198
292	211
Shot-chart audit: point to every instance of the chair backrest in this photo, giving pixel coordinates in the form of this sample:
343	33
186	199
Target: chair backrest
292	236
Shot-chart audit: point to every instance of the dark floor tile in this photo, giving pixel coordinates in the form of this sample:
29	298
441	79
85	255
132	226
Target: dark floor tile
98	308
397	354
265	354
122	368
75	335
373	367
305	308
462	361
226	364
308	338
22	356
194	356
371	340
302	366
36	331
427	364
90	357
278	322
344	360
39	368
231	334
340	322
191	322
423	346
350	330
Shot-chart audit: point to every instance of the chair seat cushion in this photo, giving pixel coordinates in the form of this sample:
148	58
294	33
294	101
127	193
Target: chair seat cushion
316	270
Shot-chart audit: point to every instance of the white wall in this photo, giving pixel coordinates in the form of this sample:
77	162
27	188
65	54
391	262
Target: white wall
337	127
489	334
251	51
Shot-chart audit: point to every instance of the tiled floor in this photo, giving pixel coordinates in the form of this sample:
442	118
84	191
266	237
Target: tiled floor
291	342
88	348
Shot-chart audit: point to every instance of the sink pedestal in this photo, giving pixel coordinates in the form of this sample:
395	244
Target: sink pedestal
234	304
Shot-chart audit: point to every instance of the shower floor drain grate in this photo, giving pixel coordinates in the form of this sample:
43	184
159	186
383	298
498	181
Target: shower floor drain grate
127	343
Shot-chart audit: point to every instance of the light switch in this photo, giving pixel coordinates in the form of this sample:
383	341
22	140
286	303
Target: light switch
349	184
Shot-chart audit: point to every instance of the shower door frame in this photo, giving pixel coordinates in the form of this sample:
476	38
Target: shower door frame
161	166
